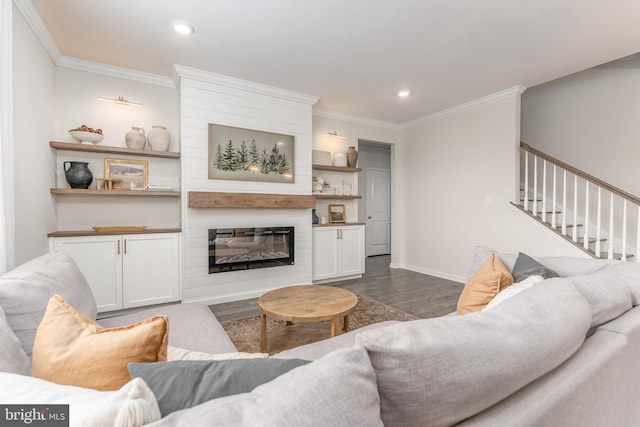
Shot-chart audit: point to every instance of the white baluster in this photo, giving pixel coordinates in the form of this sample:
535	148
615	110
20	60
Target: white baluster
610	254
544	191
575	208
598	221
564	202
585	244
623	256
553	204
535	185
526	180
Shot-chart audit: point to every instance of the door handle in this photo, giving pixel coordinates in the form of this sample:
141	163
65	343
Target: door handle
368	217
125	246
118	246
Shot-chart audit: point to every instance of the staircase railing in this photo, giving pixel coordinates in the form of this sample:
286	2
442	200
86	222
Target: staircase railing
566	199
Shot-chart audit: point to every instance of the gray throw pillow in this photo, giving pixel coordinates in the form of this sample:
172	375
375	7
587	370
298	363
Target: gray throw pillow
185	383
526	266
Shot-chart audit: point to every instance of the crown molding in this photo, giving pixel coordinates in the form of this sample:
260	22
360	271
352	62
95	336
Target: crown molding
30	15
494	97
34	21
180	71
356	119
114	71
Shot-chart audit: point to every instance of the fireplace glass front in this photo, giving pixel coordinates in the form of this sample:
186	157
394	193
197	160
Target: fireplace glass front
233	249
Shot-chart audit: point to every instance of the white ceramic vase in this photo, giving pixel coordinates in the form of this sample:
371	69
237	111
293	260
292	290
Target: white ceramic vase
135	138
158	138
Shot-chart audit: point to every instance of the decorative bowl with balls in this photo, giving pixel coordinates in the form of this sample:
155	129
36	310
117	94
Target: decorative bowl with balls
87	135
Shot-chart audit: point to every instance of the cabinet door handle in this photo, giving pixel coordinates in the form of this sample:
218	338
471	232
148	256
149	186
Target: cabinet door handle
125	246
118	247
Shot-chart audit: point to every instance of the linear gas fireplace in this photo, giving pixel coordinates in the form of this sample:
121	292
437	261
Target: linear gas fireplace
233	249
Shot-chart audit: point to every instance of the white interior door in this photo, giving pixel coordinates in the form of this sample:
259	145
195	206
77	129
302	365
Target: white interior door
378	206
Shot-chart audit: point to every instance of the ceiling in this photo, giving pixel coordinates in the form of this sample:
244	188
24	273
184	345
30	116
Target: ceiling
355	54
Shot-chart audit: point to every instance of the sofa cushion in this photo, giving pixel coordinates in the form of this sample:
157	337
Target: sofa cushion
193	327
526	266
132	405
185	383
25	293
610	292
563	265
440	371
13	358
72	349
514	290
337	390
490	278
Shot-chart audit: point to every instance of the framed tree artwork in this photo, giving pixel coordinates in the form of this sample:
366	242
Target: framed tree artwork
250	155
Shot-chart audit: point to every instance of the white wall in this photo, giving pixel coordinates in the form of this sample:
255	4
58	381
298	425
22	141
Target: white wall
590	120
208	98
447	168
34	100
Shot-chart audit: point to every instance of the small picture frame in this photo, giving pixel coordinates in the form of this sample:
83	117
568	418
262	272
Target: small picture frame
337	214
126	174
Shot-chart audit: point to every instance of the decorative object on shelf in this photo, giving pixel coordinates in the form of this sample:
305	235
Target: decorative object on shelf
250	155
337	214
126	174
321	157
338	159
135	138
323	219
86	135
100	184
352	157
319	185
159	138
314	217
119	228
78	174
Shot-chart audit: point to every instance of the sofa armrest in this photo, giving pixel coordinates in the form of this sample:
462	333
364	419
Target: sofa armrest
192	326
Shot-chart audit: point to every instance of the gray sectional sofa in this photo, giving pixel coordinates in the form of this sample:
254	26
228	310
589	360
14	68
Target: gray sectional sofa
561	353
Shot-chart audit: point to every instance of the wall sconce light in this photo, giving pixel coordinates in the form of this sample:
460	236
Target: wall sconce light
337	135
120	100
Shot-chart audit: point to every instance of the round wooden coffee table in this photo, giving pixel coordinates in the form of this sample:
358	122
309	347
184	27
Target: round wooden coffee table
307	303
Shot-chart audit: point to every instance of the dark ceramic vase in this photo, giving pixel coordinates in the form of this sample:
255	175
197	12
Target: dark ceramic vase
78	174
314	217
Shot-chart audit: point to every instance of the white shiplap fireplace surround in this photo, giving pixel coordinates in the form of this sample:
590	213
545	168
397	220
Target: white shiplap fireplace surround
210	98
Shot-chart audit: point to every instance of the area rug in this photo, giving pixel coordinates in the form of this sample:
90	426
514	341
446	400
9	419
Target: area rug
245	332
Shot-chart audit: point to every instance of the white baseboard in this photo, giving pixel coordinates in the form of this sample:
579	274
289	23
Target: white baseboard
440	274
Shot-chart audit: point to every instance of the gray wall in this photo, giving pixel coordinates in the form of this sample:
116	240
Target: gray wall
590	120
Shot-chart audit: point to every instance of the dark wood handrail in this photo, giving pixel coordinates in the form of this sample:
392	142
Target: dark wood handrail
581	174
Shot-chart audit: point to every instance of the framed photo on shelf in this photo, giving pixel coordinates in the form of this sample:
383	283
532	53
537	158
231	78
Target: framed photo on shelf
337	214
126	174
250	155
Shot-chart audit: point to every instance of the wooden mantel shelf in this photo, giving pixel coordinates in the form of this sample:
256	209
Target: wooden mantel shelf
206	199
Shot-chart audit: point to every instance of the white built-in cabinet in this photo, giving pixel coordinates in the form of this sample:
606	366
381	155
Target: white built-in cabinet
338	252
127	270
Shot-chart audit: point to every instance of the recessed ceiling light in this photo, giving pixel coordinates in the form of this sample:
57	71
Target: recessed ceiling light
183	27
404	93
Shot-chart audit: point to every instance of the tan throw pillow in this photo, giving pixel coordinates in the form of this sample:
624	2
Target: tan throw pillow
72	349
484	285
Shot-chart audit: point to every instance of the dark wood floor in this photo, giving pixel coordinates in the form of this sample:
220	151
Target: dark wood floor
418	294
